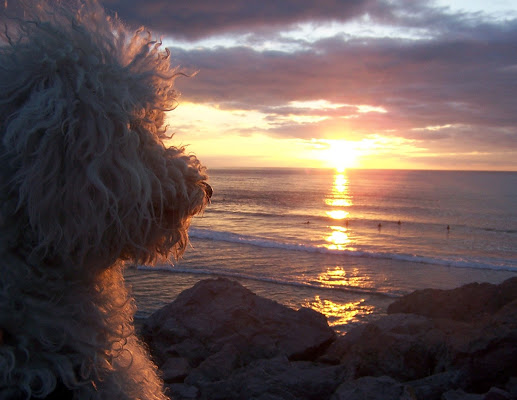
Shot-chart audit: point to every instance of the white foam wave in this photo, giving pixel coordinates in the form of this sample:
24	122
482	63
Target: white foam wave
270	243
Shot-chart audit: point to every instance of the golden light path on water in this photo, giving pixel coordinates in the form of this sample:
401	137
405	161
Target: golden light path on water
338	200
339	314
338	239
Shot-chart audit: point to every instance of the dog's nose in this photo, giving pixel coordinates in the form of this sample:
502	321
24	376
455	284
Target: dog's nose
208	191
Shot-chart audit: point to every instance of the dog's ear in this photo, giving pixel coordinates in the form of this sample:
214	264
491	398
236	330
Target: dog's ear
87	176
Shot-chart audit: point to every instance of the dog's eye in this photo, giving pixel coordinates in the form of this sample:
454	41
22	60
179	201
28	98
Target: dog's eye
208	191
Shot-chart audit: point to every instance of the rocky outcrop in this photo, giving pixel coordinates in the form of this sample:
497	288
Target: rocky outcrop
218	340
479	328
222	339
471	303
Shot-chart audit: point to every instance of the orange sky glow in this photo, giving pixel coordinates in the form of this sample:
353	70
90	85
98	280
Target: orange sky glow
216	137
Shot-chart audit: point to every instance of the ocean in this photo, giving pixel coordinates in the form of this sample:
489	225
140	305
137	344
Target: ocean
346	244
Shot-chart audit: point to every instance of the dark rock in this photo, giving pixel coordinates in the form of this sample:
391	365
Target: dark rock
432	387
470	302
459	394
175	369
276	378
493	394
511	386
218	366
218	330
413	346
373	388
496	393
217	312
179	391
403	346
488	353
220	341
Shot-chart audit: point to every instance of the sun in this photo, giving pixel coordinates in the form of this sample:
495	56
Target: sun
340	154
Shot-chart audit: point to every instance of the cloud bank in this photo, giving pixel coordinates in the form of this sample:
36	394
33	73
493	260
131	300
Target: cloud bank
445	80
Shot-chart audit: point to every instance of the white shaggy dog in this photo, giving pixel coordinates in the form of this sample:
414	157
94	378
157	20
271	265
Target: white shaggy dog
86	185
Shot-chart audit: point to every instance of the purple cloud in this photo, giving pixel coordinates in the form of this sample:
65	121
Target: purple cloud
201	18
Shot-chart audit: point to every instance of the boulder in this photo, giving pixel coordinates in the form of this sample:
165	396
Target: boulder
493	394
218	329
182	391
175	369
215	313
488	354
402	346
496	393
432	387
218	340
459	394
472	302
373	388
478	325
276	378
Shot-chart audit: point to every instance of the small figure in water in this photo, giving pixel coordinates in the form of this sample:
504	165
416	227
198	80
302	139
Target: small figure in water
448	228
379	226
399	223
346	223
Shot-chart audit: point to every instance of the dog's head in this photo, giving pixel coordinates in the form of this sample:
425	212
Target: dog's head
85	176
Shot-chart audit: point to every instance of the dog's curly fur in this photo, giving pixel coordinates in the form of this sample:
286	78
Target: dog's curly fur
86	185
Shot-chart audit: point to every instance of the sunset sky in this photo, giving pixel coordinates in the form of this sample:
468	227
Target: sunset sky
357	83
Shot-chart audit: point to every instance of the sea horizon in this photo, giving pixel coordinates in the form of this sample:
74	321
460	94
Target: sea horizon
337	170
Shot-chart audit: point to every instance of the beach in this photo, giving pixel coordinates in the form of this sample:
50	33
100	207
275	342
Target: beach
311	238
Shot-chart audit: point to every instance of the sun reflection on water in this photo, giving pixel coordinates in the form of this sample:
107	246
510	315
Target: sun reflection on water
337	202
340	183
340	313
345	312
338	276
338	239
337	214
339	199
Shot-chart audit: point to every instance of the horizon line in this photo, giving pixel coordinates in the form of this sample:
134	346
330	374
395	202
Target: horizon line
360	169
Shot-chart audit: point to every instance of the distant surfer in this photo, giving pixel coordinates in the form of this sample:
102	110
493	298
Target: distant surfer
399	223
448	228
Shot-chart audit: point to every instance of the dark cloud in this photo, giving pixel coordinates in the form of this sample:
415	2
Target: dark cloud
196	19
420	83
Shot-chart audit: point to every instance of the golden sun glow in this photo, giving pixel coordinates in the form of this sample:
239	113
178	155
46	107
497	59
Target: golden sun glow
222	137
341	154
